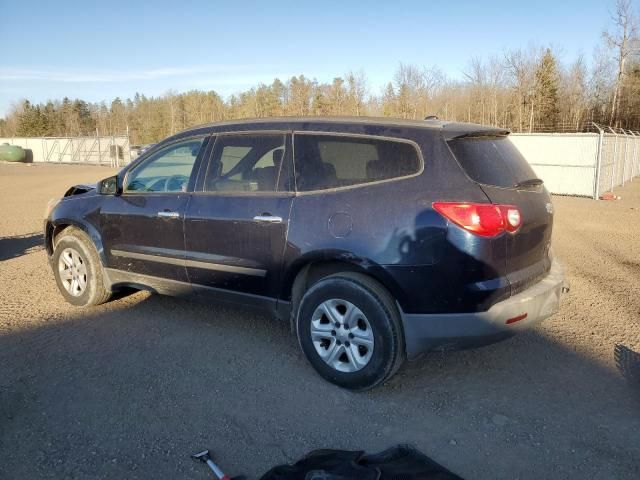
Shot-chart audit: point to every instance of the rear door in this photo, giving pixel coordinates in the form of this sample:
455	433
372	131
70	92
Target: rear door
506	177
236	222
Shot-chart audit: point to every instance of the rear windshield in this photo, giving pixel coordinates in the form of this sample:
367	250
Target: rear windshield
492	160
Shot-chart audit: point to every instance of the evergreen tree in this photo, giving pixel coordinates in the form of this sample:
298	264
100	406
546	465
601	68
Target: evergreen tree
320	105
32	121
51	119
24	120
85	123
546	102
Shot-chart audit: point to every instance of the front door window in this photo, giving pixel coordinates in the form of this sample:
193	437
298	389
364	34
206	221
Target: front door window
168	170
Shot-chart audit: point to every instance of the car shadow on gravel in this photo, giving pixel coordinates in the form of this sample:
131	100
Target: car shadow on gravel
16	246
628	363
130	389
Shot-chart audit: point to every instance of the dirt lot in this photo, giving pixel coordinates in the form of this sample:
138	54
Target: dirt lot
131	388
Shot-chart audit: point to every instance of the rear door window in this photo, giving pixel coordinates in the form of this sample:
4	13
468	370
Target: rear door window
333	161
247	163
492	160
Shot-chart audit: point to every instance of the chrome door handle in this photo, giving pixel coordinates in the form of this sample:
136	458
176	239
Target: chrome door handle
168	214
268	218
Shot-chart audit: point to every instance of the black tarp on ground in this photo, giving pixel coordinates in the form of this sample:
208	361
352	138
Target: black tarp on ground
398	463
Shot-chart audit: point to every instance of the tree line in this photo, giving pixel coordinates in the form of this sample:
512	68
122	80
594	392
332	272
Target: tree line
524	90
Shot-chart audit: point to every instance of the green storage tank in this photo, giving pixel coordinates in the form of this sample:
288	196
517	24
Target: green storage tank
12	153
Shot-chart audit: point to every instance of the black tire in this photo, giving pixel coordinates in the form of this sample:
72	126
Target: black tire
95	291
380	310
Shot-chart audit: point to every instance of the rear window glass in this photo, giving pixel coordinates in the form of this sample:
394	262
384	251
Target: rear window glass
492	160
246	163
330	161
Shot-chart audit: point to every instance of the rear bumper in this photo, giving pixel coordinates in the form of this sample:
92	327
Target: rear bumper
455	331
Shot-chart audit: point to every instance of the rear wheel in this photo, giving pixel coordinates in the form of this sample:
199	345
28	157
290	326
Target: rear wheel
349	330
78	270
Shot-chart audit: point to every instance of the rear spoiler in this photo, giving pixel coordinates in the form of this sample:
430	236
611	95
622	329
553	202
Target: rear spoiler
481	134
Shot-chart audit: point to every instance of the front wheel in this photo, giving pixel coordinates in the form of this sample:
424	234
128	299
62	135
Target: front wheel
78	270
349	330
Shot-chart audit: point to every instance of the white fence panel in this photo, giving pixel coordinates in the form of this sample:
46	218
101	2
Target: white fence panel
608	162
627	168
565	161
636	155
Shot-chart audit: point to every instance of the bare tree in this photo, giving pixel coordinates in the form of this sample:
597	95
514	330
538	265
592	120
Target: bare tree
625	43
356	91
433	80
171	107
336	96
574	93
521	66
408	85
476	75
495	81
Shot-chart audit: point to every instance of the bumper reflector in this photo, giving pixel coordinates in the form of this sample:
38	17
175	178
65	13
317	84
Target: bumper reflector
516	319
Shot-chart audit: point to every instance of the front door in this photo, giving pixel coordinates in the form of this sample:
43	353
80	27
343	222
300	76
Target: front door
236	221
143	228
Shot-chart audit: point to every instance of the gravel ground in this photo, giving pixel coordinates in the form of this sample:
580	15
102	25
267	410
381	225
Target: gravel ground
131	388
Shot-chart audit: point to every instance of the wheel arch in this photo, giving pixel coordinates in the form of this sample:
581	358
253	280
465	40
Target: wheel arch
309	270
54	229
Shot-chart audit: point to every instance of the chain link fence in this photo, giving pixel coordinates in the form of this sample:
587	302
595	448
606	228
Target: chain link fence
620	159
582	164
112	150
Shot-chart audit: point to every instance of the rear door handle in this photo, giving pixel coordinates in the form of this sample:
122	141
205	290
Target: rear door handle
268	219
168	214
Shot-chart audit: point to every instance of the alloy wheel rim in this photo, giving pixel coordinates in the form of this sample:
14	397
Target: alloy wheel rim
342	335
72	270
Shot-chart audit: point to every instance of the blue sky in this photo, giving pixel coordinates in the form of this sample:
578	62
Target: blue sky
100	50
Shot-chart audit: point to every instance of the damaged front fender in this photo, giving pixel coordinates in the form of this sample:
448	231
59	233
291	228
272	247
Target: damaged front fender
80	189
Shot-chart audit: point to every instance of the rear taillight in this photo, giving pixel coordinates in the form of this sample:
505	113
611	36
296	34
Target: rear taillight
512	217
484	219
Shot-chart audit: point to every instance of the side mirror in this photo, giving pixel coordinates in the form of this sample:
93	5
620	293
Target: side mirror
110	186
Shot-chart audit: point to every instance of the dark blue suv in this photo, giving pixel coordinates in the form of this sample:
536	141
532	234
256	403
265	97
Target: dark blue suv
377	239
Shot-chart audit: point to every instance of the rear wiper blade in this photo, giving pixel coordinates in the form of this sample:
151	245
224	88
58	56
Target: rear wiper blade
532	182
